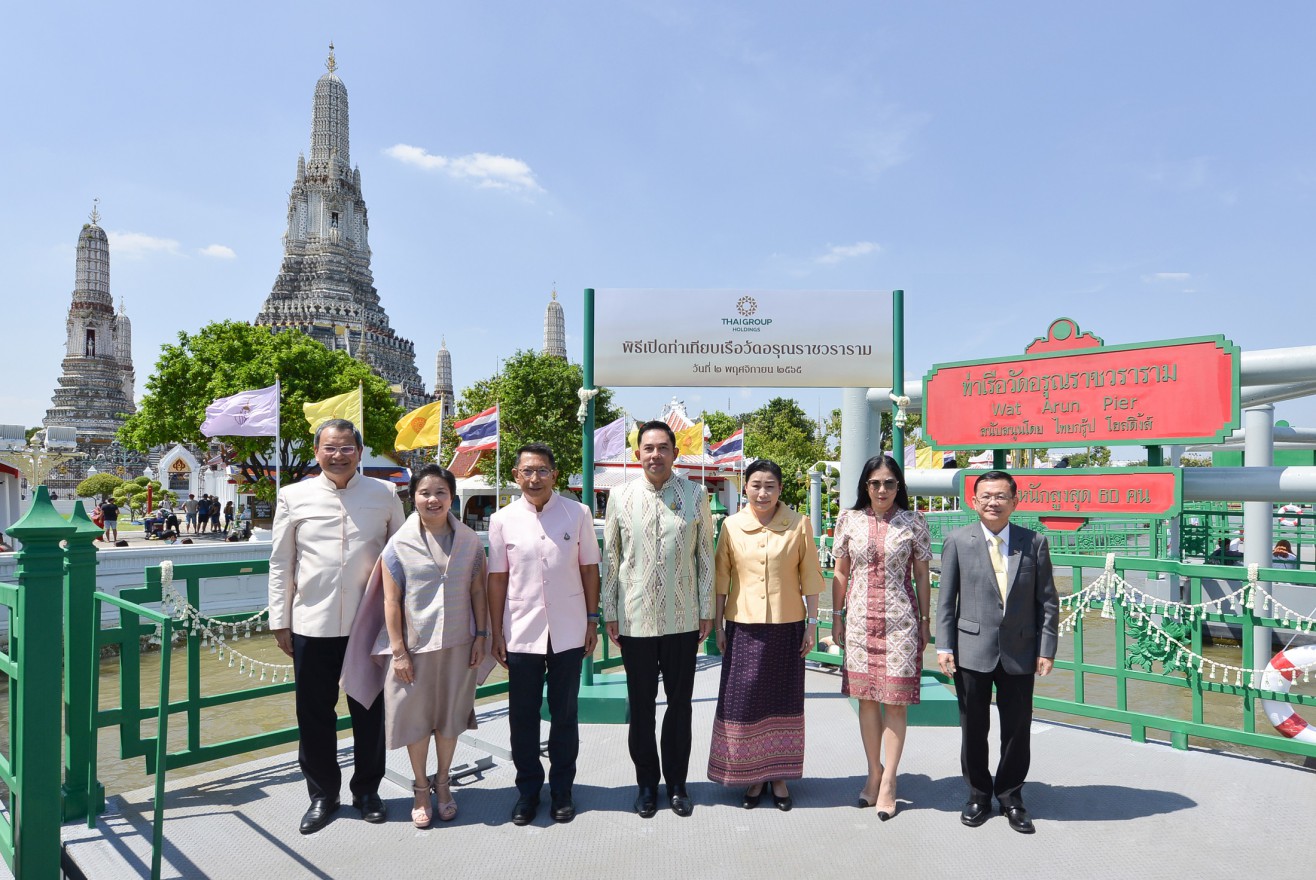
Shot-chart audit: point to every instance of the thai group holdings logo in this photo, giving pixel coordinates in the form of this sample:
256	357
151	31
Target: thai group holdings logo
745	322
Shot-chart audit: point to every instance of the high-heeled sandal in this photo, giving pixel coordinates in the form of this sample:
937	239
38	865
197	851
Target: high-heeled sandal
885	812
420	816
446	810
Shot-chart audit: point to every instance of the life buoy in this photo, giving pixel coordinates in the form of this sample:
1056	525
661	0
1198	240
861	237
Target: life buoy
1278	677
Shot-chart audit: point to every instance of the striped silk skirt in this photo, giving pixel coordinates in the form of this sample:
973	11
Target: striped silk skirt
758	732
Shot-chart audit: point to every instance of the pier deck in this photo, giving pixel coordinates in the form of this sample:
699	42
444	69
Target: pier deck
1103	805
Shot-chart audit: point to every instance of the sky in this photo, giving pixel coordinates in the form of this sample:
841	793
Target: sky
1146	169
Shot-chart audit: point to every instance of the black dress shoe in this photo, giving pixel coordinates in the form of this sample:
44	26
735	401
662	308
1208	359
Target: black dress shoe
1019	820
784	802
318	816
563	809
750	801
372	808
524	811
975	813
681	804
646	802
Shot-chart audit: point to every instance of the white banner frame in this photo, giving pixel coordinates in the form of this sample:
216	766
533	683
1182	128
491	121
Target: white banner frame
745	338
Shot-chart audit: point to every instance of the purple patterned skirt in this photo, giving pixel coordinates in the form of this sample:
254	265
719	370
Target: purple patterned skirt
758	732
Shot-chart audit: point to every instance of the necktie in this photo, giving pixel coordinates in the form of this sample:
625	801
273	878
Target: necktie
998	563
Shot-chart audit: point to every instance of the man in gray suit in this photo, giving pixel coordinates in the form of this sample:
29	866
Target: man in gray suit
996	625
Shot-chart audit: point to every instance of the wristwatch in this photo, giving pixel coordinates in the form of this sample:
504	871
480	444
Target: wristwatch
811	621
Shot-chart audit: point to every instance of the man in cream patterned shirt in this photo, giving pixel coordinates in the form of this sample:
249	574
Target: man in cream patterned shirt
658	606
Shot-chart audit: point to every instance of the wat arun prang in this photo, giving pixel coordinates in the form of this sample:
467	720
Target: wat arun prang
95	393
324	287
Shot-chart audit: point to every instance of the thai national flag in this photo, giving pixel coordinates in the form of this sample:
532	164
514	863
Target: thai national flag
479	431
730	449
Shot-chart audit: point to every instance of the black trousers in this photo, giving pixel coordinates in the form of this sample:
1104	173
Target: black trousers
1014	700
318	663
645	658
526	674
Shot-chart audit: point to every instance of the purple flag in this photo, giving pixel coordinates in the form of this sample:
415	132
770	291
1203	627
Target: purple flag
610	440
245	414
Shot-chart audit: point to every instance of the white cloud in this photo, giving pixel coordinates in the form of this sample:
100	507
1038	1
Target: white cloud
1167	277
484	169
218	251
139	245
838	252
1184	175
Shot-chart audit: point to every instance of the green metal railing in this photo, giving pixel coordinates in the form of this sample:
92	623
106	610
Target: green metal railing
160	742
1134	643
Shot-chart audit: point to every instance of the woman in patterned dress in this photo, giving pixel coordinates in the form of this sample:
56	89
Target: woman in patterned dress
880	618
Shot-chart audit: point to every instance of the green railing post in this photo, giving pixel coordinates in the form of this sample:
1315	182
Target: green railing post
34	642
79	644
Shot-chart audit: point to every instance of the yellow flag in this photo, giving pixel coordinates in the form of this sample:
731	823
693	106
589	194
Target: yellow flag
690	441
633	441
343	406
927	457
419	429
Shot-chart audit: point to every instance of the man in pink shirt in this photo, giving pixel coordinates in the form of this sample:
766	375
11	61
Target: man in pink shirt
543	614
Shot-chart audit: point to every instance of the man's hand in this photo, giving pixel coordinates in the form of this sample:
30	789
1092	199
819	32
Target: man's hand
283	638
591	638
946	660
721	640
1044	665
611	626
477	651
500	649
705	627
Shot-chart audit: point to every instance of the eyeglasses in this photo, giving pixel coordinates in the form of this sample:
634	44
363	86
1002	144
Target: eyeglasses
529	472
884	484
338	450
988	499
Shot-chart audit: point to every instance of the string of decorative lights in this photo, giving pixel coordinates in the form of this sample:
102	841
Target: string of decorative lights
214	633
1109	588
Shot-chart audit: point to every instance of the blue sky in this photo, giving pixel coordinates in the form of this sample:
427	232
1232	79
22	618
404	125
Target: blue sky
1146	169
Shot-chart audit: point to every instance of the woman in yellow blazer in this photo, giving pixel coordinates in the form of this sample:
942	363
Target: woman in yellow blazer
767	580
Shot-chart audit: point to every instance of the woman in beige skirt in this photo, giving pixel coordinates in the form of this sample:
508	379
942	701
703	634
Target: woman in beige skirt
435	626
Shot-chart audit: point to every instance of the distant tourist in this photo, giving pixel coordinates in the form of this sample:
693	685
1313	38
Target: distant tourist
880	600
110	514
215	511
1283	555
1223	555
997	619
435	617
189	508
328	533
202	513
544	619
767	579
658	604
228	515
4	546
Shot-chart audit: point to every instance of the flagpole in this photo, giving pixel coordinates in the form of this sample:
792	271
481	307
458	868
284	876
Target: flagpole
361	414
438	449
278	421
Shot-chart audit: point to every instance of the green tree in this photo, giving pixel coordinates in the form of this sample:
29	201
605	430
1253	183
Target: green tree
782	431
536	395
720	425
1093	456
230	356
131	494
98	486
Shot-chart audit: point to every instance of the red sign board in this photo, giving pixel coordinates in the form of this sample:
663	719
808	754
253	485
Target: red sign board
1133	492
1078	392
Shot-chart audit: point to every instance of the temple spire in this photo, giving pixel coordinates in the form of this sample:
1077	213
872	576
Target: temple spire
95	215
331	65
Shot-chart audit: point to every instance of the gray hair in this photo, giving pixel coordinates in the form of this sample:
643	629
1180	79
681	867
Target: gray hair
339	425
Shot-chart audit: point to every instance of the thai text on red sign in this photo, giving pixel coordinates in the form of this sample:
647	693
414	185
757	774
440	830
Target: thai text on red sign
1184	391
1141	492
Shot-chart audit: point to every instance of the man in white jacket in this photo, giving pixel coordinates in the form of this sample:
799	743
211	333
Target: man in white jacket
328	532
